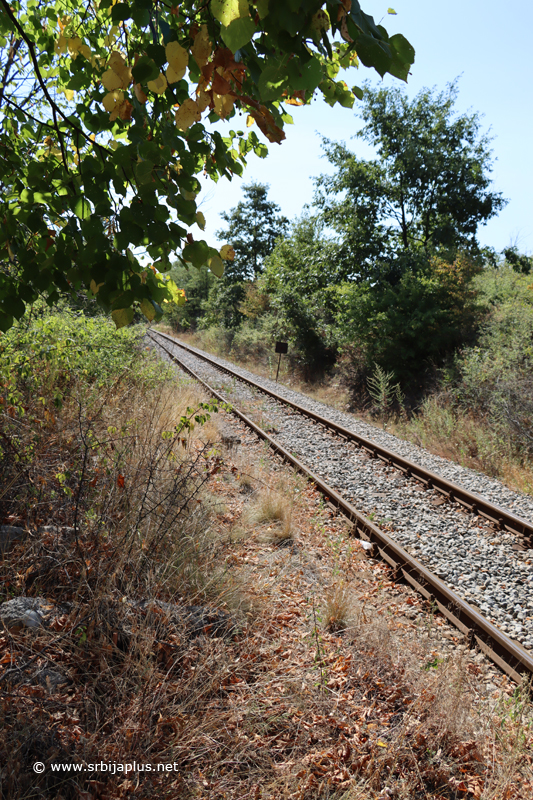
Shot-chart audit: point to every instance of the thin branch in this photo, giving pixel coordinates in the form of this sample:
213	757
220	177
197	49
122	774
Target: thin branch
27	114
51	102
15	44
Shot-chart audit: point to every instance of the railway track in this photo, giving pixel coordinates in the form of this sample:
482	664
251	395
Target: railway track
509	655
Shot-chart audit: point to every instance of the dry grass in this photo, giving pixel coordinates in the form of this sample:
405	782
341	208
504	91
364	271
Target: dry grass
468	440
340	608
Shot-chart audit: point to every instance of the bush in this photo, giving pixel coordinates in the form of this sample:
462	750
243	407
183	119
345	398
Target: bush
412	322
494	379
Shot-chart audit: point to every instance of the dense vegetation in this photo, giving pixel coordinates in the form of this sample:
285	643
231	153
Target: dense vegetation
382	284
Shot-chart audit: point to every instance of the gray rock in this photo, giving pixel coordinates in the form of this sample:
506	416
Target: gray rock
51	679
29	612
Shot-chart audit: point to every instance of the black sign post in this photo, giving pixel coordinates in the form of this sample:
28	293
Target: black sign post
281	347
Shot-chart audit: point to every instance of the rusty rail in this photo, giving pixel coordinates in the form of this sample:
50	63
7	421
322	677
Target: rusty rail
510	656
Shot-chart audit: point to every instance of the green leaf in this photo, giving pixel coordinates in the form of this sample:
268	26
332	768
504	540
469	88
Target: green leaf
374	54
305	76
198	253
120	11
272	81
145	70
403	56
238	33
216	265
262	8
143	171
237	25
82	208
122	317
141	17
177	295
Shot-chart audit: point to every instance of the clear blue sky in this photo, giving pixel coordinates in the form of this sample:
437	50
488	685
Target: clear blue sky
487	44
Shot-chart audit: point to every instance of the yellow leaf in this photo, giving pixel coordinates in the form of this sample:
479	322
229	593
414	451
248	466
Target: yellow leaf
201	49
95	287
139	94
176	295
122	316
112	100
172	76
118	65
74	45
177	58
85	50
203	99
380	743
111	81
159	86
187	114
249	121
147	309
227	252
69	94
223	105
200	220
61	45
294	101
226	11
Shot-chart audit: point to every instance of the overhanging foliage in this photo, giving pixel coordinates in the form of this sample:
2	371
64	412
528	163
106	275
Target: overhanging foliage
103	112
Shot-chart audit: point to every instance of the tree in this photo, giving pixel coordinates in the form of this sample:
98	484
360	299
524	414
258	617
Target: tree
412	324
298	279
196	283
428	190
253	227
103	112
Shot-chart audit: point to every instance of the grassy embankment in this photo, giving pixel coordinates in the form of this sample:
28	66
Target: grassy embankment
309	676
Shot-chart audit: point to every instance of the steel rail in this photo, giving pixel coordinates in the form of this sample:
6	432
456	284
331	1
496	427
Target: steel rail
474	503
509	656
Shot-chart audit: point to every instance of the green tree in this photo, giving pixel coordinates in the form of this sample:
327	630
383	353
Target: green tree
428	189
298	279
518	261
254	225
407	326
103	112
196	283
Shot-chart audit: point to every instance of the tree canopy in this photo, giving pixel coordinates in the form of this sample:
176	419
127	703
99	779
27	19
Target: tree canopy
428	190
253	227
104	128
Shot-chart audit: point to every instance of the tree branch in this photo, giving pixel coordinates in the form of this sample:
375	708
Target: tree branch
53	105
15	44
